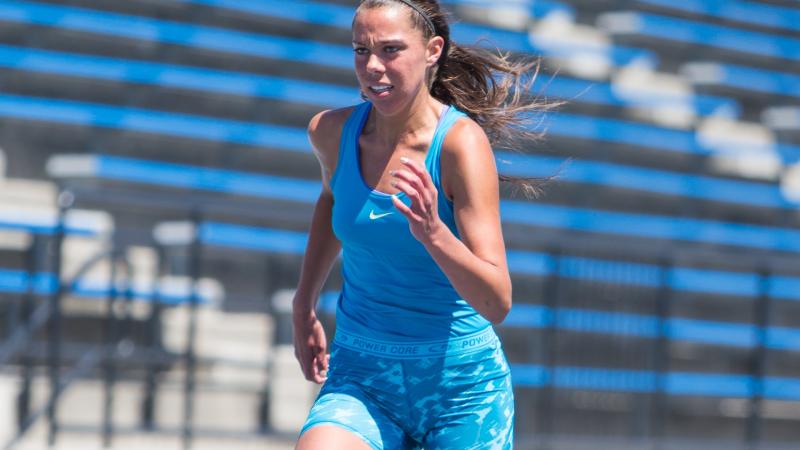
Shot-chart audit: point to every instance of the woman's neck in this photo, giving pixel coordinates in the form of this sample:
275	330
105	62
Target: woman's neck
422	113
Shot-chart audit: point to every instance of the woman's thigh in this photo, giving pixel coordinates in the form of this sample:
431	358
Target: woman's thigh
483	422
331	437
354	415
360	398
472	407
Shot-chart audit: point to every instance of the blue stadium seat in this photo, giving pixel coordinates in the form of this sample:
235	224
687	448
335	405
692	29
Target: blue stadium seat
604	174
513	212
526	315
272	240
341	16
171	124
218	39
337	15
536	8
43	283
747	12
673	383
140	28
207	128
625	132
676	383
671	30
22	220
741	78
645	180
602	93
301	91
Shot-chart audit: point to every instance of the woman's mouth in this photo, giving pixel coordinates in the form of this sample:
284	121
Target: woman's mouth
381	91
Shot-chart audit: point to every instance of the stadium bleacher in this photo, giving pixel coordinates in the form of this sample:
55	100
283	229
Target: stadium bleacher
201	105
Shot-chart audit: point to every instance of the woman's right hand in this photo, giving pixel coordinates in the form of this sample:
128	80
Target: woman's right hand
310	345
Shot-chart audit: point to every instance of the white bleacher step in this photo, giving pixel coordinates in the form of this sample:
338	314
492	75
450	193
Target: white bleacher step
790	183
745	149
244	337
80	413
71	165
21	192
87	221
227	395
91	441
703	73
143	262
172	289
782	118
556	32
15	240
661	98
512	15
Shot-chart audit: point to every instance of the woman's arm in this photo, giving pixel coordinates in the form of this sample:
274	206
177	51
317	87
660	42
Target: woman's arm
321	252
475	265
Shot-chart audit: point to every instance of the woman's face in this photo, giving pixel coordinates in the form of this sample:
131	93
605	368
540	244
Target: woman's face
391	57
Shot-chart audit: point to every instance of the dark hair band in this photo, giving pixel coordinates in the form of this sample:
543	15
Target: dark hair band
422	13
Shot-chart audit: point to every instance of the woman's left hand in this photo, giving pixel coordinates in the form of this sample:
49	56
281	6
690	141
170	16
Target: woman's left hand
423	215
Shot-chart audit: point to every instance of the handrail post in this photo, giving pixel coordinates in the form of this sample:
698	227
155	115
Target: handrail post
65	201
153	345
32	256
110	338
190	357
762	310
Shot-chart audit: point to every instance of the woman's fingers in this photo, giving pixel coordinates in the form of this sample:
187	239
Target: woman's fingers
310	349
425	196
420	171
320	368
413	194
405	210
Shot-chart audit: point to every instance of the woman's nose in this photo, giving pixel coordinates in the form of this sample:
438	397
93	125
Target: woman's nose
374	64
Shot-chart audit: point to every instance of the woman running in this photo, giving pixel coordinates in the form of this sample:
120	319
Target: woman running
411	197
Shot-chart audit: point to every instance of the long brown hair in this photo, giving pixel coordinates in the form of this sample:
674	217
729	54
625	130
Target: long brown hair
490	87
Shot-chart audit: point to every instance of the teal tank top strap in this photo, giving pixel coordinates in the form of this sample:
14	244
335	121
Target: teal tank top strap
433	158
347	161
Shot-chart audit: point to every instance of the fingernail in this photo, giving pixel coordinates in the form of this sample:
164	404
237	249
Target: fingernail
403	159
392	172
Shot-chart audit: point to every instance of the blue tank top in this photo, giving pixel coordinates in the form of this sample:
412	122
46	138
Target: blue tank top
392	287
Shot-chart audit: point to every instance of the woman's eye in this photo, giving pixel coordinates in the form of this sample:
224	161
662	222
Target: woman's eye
360	50
391	49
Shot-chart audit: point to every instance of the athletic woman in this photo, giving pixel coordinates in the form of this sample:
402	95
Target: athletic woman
411	197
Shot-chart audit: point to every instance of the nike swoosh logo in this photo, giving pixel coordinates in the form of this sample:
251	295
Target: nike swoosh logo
373	216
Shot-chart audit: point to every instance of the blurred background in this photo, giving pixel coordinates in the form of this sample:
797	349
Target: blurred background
156	186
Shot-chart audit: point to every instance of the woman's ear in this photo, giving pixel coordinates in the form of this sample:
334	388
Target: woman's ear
434	50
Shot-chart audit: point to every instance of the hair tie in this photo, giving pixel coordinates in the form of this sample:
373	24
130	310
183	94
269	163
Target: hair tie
422	13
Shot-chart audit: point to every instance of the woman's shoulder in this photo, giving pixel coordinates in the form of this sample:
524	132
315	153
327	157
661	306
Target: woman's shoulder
466	157
464	138
327	125
325	133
